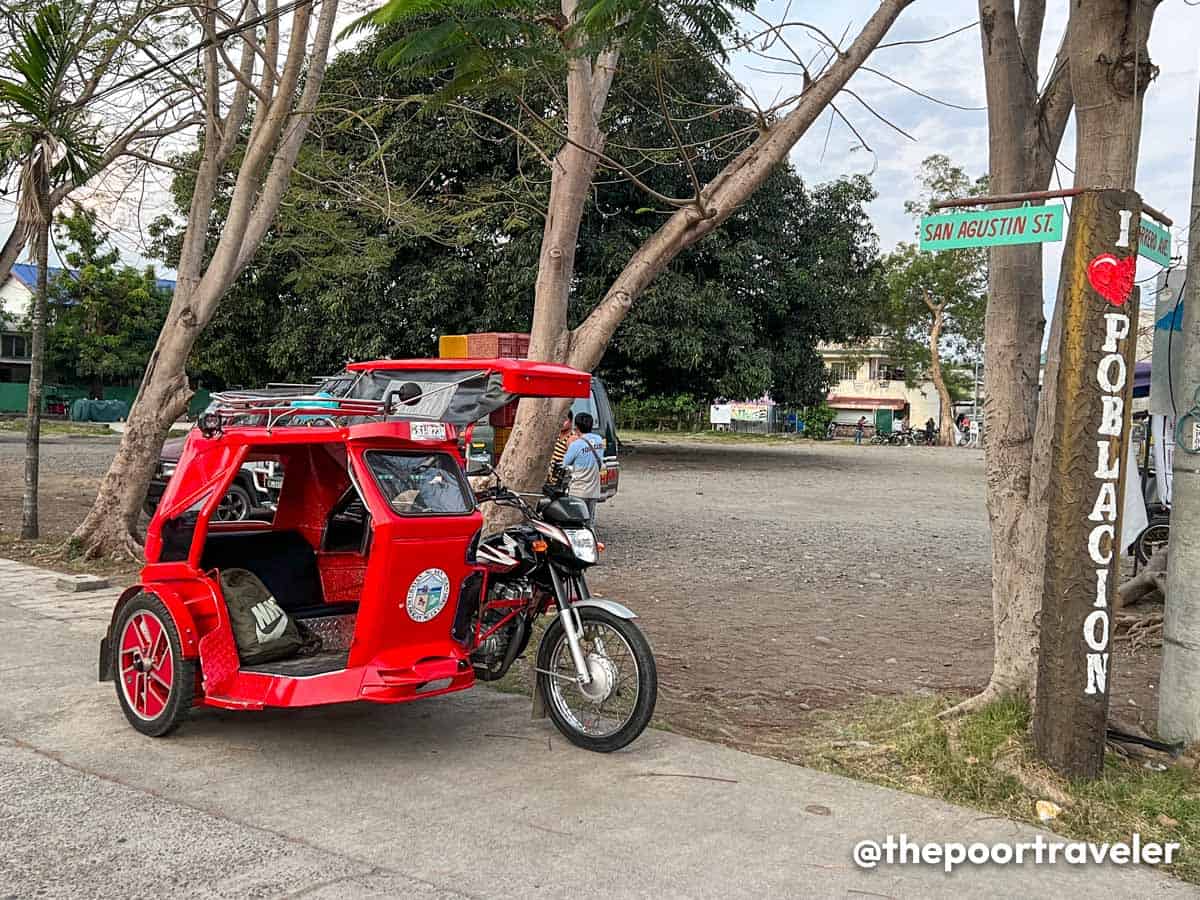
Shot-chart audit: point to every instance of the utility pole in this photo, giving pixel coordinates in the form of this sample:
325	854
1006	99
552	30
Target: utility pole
1179	686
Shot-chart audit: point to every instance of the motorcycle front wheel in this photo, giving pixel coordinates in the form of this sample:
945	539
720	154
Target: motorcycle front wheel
616	706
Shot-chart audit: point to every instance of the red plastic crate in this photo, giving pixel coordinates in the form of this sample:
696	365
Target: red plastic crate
505	416
492	344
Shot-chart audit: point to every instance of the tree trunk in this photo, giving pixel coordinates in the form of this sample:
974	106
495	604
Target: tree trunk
111	526
276	134
1024	134
527	453
33	419
946	429
529	448
1110	71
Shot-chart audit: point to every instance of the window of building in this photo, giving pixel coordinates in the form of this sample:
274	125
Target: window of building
14	346
840	371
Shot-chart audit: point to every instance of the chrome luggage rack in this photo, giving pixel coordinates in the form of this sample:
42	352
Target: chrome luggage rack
228	407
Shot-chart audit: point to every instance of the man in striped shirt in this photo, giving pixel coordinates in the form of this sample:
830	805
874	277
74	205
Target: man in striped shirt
565	434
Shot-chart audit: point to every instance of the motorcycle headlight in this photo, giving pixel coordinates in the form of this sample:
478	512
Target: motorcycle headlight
166	470
583	544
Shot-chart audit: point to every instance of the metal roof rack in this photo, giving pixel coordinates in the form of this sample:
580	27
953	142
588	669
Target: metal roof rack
279	404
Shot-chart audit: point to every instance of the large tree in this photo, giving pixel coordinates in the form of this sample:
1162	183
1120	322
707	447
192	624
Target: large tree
1101	66
340	278
936	301
67	70
580	46
934	310
104	316
260	74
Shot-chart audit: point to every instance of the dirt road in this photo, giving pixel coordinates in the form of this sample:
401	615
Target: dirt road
773	580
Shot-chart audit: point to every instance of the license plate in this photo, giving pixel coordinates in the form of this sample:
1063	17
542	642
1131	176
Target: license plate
427	431
275	482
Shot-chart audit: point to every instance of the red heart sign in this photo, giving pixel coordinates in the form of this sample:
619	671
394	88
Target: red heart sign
1111	277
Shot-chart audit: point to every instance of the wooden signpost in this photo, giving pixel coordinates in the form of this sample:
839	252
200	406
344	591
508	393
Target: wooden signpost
1092	393
1091	389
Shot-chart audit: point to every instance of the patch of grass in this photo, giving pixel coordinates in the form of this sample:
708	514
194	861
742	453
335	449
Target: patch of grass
986	761
50	553
71	429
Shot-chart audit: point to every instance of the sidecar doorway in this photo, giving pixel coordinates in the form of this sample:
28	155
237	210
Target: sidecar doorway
313	553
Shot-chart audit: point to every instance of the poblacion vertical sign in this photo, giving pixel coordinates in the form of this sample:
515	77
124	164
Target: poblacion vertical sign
1091	390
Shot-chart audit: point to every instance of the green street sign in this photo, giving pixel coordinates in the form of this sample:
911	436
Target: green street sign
990	228
1154	242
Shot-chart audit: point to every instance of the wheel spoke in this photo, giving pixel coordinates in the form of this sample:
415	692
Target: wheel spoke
161	651
596	718
156	680
142	633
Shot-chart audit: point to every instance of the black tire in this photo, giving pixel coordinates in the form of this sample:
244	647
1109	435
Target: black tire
647	681
1153	536
182	692
235	506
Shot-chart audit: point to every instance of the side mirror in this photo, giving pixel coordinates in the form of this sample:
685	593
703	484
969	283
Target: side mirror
408	394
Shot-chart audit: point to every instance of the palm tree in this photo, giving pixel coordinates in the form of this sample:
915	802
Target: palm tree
46	141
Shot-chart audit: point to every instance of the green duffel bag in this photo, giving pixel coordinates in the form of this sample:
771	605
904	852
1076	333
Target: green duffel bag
262	630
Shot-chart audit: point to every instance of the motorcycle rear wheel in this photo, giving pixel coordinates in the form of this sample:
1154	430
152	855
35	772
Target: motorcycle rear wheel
616	707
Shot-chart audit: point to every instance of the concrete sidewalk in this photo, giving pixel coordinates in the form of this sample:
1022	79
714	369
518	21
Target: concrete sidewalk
461	796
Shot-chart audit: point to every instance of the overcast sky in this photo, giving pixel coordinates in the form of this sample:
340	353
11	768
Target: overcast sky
951	70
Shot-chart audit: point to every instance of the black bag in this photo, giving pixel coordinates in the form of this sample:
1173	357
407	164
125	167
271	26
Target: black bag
262	630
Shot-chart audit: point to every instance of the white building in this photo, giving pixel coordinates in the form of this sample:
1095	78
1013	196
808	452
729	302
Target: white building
866	382
16	293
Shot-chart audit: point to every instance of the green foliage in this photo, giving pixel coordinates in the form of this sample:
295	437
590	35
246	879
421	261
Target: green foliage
38	125
954	280
677	413
485	44
816	420
104	317
360	266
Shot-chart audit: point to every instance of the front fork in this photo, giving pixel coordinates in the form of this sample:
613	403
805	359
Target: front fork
572	626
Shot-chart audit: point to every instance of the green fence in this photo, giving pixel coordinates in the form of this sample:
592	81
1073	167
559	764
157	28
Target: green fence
14	396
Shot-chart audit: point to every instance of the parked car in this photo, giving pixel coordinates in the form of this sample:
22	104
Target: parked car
253	493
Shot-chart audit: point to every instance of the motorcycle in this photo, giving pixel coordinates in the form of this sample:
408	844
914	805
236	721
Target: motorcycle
595	671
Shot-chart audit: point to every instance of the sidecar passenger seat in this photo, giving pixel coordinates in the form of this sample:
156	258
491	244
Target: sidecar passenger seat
283	560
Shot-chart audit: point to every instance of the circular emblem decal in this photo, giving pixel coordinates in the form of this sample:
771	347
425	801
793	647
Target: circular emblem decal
428	595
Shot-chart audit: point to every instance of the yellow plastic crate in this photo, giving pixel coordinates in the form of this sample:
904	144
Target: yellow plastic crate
452	346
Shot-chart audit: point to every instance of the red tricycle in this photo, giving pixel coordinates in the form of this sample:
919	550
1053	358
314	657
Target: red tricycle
375	551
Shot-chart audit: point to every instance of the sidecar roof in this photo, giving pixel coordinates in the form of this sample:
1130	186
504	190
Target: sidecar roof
519	377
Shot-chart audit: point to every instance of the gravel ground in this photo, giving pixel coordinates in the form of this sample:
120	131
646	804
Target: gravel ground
773	580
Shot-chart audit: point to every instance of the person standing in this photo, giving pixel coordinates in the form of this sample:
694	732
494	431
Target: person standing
930	428
565	434
585	458
974	431
859	428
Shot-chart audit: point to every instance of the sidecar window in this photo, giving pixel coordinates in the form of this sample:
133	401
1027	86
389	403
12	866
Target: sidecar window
421	484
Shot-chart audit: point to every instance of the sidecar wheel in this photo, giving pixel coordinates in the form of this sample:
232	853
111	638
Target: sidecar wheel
616	707
155	684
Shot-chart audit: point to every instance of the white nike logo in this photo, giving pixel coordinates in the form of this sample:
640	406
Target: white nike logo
269	620
276	631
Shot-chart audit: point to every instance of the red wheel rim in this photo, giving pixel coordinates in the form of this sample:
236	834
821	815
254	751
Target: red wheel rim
147	665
